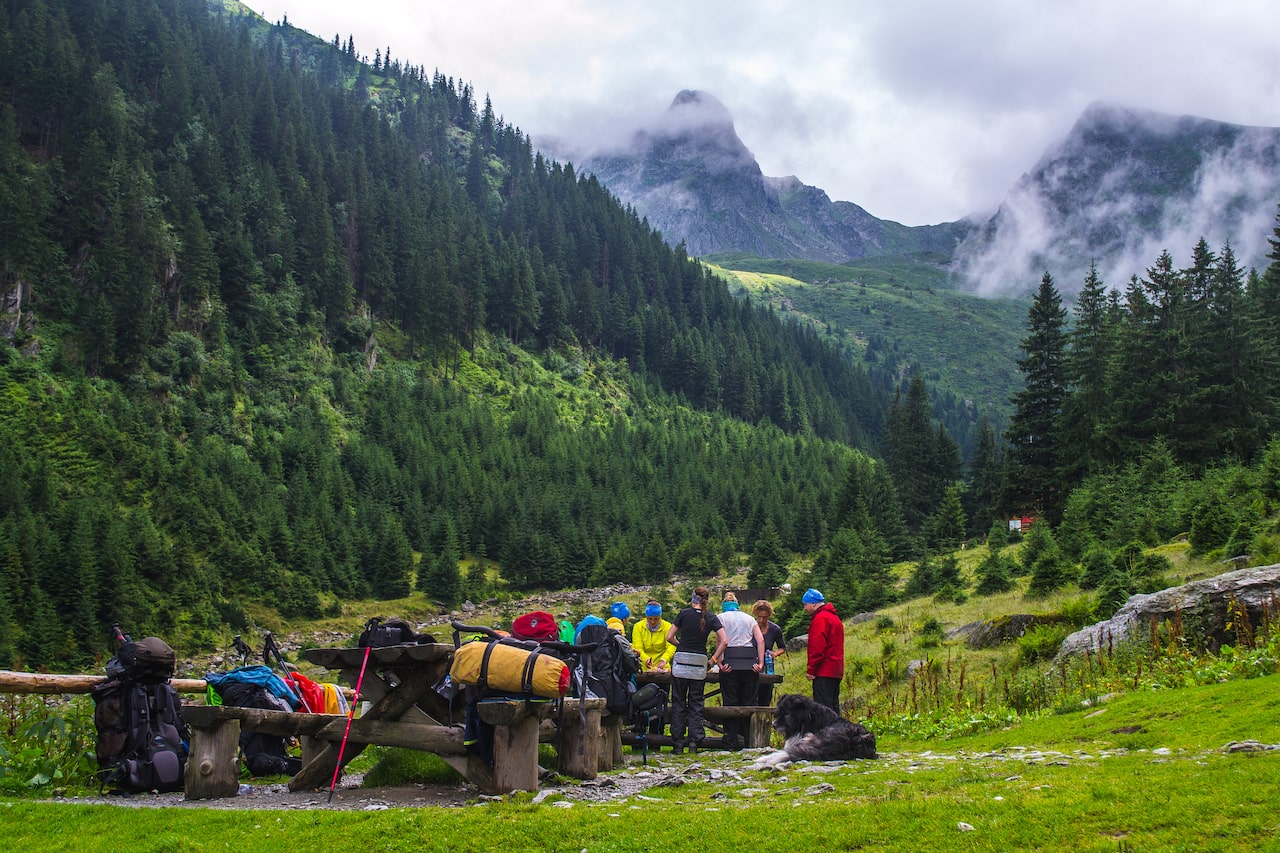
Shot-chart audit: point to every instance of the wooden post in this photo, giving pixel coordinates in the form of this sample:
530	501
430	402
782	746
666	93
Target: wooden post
515	755
610	742
211	766
761	730
578	741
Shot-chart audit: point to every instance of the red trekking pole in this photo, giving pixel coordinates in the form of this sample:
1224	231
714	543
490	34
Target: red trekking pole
351	712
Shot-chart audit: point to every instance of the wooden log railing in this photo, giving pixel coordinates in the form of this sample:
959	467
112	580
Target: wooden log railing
52	683
42	682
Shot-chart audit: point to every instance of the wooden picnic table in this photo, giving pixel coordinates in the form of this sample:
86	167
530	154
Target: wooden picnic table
400	682
406	711
760	717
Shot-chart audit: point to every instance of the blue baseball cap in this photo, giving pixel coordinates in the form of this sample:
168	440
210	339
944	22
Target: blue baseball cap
812	596
620	610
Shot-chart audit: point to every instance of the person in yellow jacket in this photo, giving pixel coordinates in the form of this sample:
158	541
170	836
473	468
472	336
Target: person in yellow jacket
649	639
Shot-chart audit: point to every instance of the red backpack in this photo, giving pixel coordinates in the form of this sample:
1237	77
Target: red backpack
538	625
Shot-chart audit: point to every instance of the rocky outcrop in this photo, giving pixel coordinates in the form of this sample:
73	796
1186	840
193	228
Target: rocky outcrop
1201	607
993	632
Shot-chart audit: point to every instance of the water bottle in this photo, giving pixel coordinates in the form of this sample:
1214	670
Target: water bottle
768	663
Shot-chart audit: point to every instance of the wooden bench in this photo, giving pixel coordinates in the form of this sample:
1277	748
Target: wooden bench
760	728
215	732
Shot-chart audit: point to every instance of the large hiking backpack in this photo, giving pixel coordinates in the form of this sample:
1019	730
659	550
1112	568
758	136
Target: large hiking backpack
142	741
608	673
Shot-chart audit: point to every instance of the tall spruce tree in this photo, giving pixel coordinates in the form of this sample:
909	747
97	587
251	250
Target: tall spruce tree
1034	433
1085	409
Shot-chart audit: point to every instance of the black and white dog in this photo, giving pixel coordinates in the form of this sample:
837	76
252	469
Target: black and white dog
814	732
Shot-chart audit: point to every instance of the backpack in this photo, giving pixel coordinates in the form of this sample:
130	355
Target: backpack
142	741
264	754
538	625
379	633
607	673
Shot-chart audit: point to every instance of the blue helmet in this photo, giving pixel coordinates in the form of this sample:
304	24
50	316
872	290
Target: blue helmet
620	610
812	596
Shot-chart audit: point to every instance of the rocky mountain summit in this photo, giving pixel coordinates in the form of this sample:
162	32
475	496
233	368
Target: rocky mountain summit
697	182
1123	186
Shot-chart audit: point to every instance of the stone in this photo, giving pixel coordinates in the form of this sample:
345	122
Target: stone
1200	605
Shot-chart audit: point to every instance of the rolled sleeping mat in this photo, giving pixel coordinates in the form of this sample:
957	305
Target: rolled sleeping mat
510	669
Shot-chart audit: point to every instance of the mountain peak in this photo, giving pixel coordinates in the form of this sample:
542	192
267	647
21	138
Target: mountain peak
694	102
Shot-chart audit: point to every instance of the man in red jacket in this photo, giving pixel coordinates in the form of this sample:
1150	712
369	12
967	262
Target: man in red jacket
826	649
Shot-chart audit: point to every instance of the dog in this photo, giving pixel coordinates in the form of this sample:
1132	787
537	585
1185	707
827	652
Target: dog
814	732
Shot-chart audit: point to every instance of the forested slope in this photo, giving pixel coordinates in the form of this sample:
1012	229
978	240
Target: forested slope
276	318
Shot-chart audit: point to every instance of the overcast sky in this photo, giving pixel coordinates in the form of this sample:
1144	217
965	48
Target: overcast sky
920	111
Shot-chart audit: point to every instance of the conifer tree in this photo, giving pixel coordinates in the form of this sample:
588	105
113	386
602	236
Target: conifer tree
768	560
1034	432
1086	446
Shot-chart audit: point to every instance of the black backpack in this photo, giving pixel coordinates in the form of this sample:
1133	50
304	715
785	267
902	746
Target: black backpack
264	754
609	670
379	633
142	741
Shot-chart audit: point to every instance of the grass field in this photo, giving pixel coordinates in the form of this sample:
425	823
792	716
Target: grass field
1146	771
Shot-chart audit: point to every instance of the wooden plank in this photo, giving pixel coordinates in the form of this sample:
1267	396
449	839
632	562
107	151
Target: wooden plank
442	740
663	677
724	712
505	712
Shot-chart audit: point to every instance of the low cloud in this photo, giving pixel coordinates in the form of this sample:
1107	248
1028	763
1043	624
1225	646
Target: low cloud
1123	213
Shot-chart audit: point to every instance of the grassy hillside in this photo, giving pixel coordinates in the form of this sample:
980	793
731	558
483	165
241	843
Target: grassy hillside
898	313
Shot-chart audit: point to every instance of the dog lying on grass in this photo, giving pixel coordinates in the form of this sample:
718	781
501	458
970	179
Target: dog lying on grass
814	732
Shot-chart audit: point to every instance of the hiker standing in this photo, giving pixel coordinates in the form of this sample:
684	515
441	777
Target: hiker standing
774	646
741	663
826	649
689	632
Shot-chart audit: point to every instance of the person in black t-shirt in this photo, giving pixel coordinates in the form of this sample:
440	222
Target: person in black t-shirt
689	631
774	646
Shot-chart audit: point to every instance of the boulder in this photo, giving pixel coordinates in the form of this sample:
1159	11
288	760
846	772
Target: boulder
993	632
1200	605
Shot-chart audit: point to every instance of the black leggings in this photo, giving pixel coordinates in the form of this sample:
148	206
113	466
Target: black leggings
687	700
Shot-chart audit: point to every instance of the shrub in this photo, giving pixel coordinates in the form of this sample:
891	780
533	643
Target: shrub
1041	642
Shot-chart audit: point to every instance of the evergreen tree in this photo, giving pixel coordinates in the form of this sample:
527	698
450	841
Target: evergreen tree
994	574
945	530
768	560
1044	561
1034	432
1085	409
985	485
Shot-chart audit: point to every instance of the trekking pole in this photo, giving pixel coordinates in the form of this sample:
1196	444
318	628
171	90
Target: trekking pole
269	650
351	712
119	636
